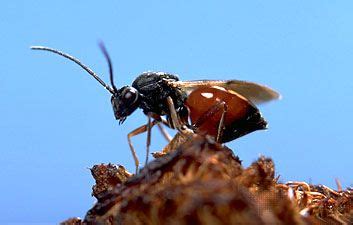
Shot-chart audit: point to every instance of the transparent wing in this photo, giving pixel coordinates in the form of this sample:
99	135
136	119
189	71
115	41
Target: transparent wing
256	93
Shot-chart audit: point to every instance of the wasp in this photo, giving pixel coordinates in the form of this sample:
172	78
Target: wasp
224	109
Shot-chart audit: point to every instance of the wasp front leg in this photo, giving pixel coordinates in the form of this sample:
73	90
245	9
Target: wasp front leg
147	127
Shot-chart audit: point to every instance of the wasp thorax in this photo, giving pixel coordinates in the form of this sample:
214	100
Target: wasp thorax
124	102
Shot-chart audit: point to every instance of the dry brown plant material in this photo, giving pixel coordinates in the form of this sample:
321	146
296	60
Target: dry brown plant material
108	177
202	182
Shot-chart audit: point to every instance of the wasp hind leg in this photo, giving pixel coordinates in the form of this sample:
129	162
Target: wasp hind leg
216	108
221	122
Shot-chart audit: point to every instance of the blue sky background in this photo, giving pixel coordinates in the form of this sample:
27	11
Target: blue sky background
56	121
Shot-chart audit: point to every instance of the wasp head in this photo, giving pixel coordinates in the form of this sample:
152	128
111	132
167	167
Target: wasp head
124	102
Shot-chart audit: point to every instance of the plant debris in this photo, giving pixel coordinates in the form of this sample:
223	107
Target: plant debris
203	182
107	178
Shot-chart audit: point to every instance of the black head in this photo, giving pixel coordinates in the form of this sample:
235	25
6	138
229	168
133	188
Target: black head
124	100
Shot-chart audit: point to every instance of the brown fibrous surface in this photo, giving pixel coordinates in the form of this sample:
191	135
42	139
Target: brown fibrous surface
203	182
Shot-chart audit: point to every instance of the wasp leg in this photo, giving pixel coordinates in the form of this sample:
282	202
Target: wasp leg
135	132
173	114
165	134
175	119
211	112
148	142
161	128
221	122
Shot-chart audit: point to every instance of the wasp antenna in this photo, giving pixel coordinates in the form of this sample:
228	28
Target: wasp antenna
106	55
93	74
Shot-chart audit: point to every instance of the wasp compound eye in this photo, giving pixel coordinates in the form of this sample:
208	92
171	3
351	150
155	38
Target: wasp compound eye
129	95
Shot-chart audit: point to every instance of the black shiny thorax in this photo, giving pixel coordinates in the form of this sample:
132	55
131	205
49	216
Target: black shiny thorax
154	88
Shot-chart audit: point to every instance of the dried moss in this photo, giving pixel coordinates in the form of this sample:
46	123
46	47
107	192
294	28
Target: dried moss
202	182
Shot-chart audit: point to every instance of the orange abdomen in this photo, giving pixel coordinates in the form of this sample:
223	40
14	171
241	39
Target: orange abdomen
206	107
